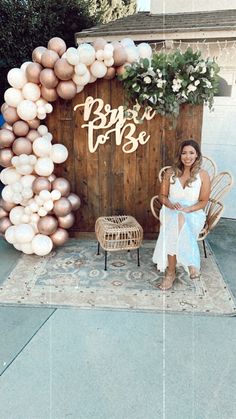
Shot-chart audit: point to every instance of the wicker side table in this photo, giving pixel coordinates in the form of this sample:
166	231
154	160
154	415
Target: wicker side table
121	232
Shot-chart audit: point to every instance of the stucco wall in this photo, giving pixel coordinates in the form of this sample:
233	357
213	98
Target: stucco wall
173	6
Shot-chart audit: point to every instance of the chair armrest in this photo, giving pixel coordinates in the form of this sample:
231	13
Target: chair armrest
155	206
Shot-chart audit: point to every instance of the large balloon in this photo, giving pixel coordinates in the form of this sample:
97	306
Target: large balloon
66	89
62	207
42	245
63	69
58	45
47	225
22	146
6	138
33	71
74	200
59	237
67	221
41	184
61	184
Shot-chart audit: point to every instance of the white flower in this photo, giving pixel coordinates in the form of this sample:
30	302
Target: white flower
184	95
191	88
203	70
197	82
147	80
176	85
191	78
160	83
208	83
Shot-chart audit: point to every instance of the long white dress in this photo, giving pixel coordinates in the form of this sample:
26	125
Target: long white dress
181	243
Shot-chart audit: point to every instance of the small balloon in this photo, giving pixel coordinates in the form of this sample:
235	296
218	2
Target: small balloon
62	207
40	184
59	237
47	225
67	221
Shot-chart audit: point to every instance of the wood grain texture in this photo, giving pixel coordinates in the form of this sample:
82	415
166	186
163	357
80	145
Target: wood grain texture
109	181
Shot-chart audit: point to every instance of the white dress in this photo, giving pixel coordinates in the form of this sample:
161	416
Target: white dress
181	243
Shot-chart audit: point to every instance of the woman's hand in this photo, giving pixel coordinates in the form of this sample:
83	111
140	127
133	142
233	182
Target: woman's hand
177	206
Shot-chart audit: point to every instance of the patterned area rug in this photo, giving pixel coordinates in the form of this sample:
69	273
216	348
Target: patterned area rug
74	276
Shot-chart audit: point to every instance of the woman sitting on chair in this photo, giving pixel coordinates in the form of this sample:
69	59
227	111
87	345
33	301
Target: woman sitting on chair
184	193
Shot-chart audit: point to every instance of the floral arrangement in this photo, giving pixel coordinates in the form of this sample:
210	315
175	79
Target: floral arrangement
165	81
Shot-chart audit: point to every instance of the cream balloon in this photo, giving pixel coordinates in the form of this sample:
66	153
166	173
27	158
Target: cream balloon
9	175
98	69
31	91
59	153
86	54
10	234
27	110
42	147
44	166
42	245
13	97
24	233
72	56
16	78
16	215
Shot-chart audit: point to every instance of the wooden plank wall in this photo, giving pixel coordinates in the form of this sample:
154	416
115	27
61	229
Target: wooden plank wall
110	181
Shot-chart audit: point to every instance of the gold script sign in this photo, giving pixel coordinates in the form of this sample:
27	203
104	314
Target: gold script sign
98	116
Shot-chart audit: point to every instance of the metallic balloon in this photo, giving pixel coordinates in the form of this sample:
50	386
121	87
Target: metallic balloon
49	58
66	89
34	123
74	200
10	115
47	225
3	213
49	94
7	206
4	224
6	138
22	146
37	54
110	74
63	70
20	128
33	71
41	183
58	45
48	78
67	221
62	185
59	237
32	135
6	155
62	207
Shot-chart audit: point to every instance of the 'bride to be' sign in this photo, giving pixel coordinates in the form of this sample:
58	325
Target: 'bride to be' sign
98	116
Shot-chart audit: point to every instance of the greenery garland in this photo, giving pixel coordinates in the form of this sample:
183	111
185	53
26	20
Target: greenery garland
168	80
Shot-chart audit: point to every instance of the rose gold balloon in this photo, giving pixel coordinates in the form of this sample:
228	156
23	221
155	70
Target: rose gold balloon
119	56
49	94
20	128
121	70
10	115
48	78
37	54
47	225
4	224
33	71
34	123
59	237
66	89
62	207
67	221
74	200
62	185
58	45
110	74
6	138
41	183
6	155
22	146
63	69
32	135
7	126
3	213
49	58
99	43
7	206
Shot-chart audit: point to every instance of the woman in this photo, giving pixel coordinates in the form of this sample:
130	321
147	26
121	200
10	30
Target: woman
184	193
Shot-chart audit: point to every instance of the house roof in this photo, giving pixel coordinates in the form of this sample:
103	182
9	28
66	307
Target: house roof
148	26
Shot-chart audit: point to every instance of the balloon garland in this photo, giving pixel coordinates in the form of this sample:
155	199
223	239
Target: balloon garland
36	207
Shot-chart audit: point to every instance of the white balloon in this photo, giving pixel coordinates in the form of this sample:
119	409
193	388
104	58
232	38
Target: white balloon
42	147
107	55
16	215
72	56
48	108
42	130
79	89
48	136
42	245
98	69
24	233
109	63
48	205
32	159
31	91
38	200
127	42
17	197
55	194
27	180
81	69
59	153
10	234
27	248
25	169
41	116
7	194
44	195
17	246
15	161
25	64
27	193
17	186
27	110
13	97
109	47
81	80
16	78
100	55
86	54
44	166
35	218
42	212
9	176
92	79
26	218
34	207
23	159
132	54
145	51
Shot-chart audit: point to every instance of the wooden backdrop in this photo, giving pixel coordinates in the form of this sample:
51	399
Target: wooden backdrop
110	181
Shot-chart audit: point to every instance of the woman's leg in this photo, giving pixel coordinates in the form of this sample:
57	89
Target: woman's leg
170	274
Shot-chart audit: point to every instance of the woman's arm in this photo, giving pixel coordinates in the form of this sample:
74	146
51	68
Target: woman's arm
164	190
204	193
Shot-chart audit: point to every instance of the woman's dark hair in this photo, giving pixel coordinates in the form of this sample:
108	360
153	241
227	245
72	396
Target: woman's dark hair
178	166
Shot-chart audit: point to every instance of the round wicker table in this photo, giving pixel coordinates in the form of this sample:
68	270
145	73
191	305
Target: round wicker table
118	232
